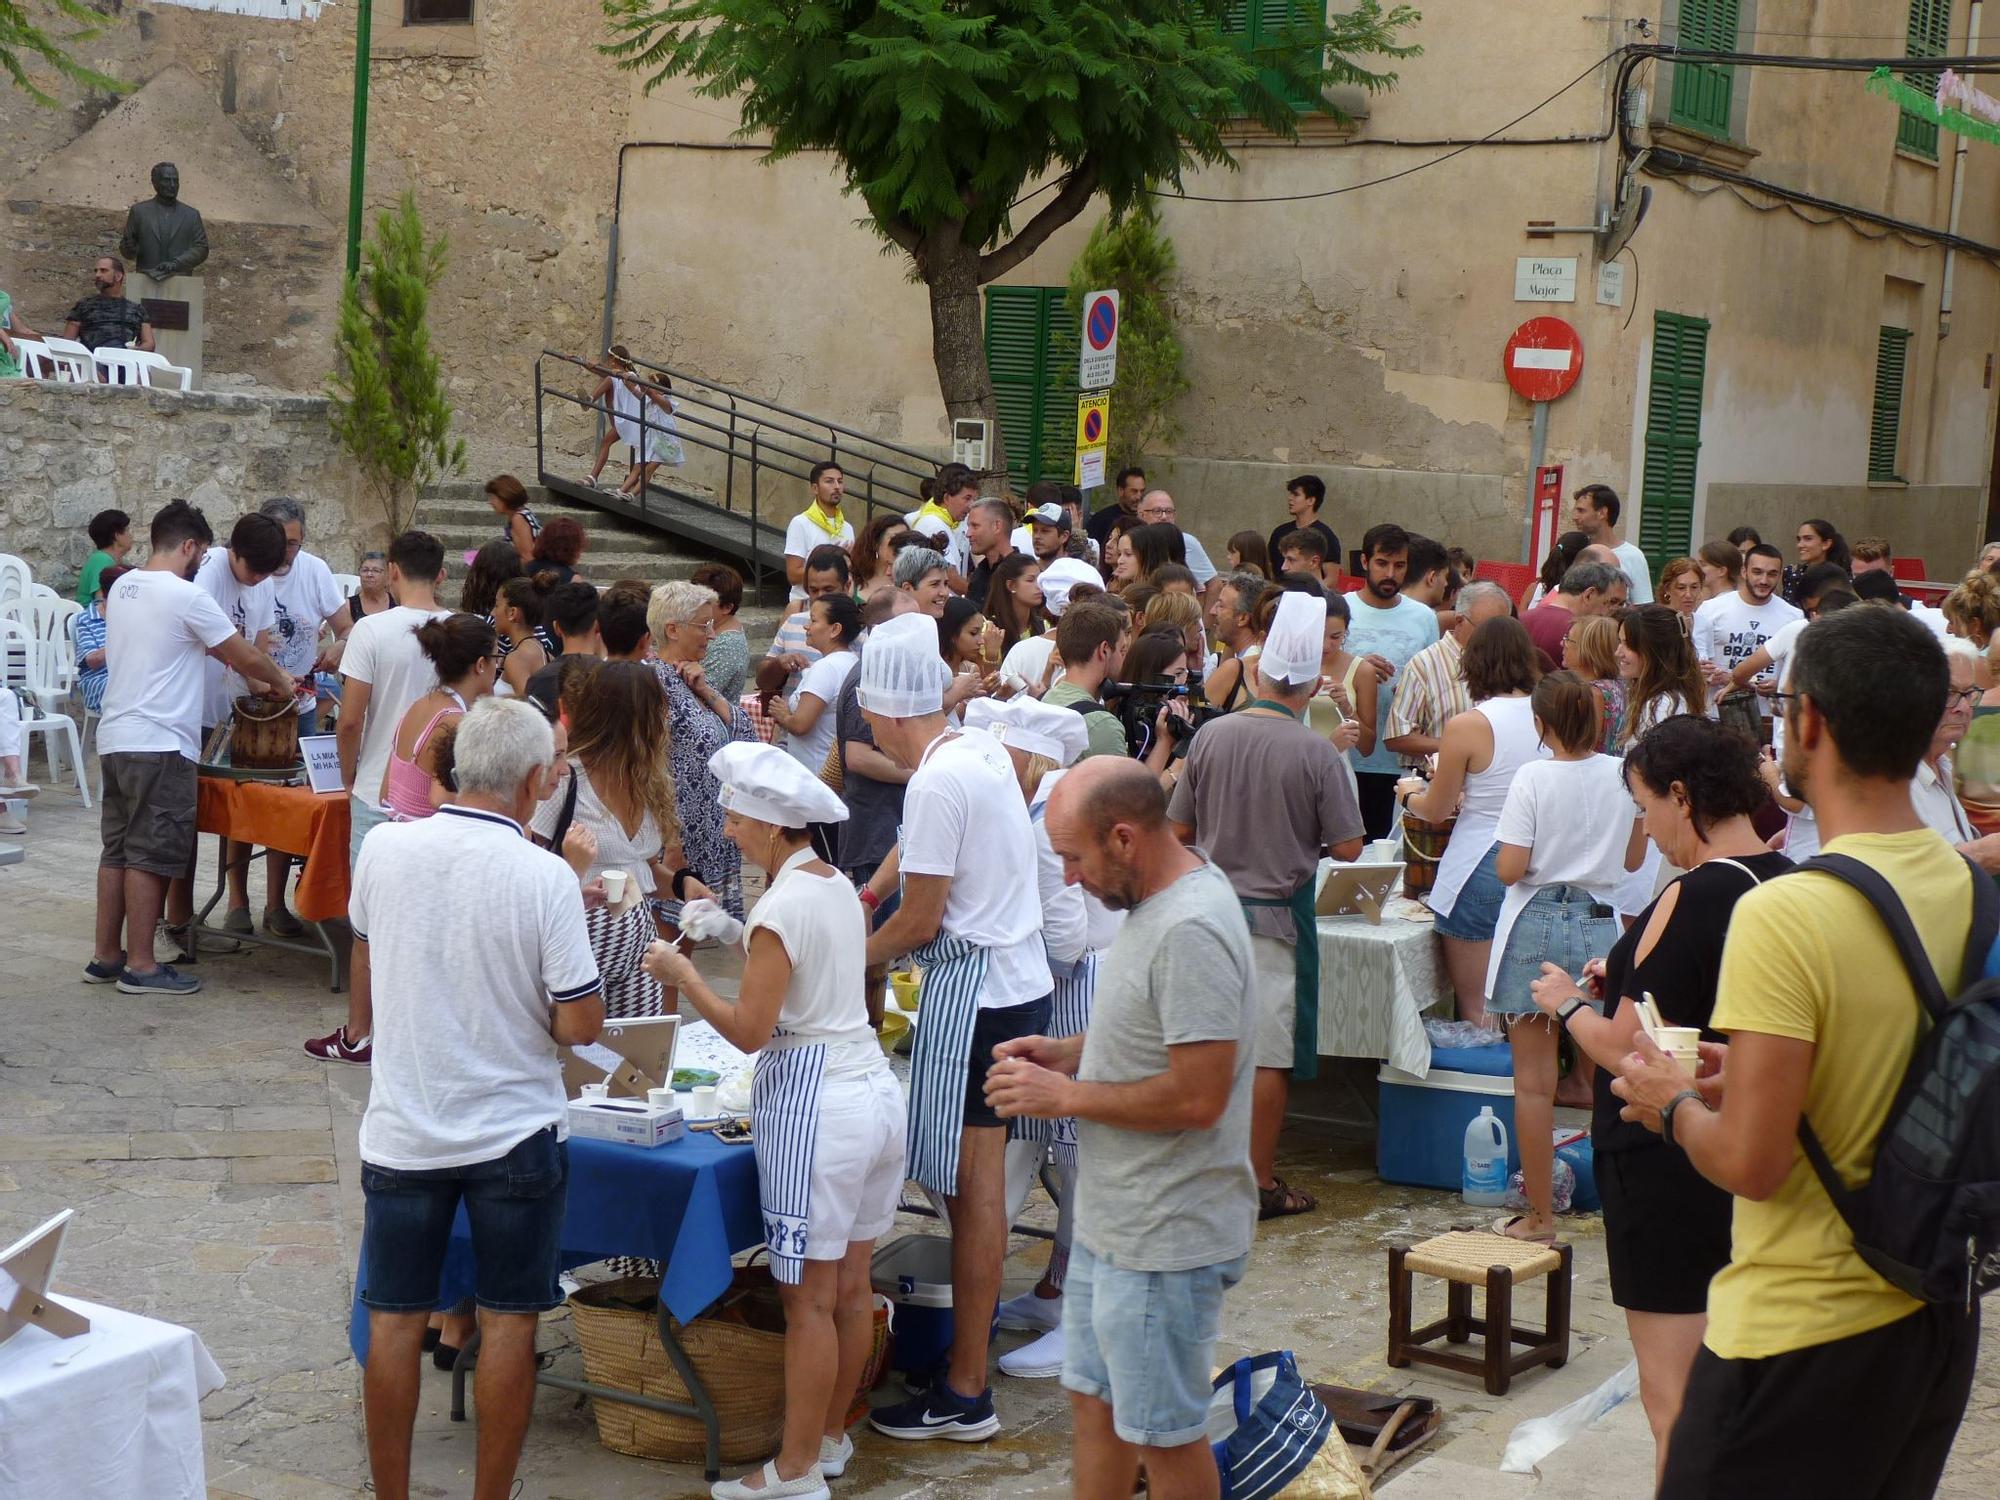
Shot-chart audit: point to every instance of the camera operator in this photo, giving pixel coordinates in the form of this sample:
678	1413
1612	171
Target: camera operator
1265	796
1153	706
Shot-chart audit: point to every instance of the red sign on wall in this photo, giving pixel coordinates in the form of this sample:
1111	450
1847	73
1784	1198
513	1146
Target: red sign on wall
1544	358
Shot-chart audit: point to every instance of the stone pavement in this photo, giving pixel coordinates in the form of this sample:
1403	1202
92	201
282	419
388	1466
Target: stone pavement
213	1170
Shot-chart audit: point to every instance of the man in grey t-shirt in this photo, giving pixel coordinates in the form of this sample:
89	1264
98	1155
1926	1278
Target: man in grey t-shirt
1166	1203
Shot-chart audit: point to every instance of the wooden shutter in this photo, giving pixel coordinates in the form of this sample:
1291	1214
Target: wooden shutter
1885	432
1031	355
1263	25
1673	437
1930	36
1704	93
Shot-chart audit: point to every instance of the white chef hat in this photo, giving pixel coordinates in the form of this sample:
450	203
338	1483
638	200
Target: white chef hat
1059	577
763	782
1031	726
902	674
1296	642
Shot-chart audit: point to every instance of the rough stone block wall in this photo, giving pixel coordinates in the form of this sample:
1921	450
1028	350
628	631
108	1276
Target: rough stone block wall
68	452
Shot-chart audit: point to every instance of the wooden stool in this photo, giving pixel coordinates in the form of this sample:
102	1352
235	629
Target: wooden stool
1464	1259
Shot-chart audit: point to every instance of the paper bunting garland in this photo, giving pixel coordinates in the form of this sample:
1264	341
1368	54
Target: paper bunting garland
1959	106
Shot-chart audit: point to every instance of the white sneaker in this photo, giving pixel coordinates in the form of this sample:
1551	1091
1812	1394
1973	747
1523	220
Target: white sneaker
1041	1360
1031	1314
11	821
835	1457
808	1486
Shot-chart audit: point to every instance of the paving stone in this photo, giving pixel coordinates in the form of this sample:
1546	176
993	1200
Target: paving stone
213	1257
232	1143
276	1169
64	1147
201	1117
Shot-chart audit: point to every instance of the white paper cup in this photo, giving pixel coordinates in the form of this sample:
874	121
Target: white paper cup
660	1098
614	886
1682	1043
596	1090
704	1102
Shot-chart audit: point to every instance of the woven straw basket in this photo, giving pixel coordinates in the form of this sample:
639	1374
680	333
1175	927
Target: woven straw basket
743	1368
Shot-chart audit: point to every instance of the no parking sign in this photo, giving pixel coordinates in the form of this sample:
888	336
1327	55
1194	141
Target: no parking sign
1097	365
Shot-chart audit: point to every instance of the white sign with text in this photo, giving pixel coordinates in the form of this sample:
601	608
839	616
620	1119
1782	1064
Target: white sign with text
1545	278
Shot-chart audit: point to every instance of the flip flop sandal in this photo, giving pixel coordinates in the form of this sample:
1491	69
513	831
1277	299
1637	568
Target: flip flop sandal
1505	1226
1282	1201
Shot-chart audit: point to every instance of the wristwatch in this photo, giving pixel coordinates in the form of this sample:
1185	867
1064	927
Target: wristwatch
1667	1114
1569	1008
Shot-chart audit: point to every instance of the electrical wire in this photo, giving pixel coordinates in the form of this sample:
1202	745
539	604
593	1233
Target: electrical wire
1407	171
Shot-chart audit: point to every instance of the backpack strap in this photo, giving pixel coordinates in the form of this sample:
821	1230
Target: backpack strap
1930	992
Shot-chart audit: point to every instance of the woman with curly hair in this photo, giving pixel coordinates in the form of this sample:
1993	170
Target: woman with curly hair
875	553
614	812
558	548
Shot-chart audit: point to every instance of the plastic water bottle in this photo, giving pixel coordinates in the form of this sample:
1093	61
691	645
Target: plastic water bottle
1483	1171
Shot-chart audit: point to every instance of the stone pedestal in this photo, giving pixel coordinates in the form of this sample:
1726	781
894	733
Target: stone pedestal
177	308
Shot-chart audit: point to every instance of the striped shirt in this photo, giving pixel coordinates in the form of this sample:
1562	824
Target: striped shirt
1429	690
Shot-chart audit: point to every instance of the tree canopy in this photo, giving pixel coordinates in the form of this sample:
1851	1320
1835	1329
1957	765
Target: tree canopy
23	42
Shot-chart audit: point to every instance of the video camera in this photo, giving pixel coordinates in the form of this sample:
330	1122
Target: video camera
1138	704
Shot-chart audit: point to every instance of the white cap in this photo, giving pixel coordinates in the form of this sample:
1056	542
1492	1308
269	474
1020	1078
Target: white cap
902	674
1297	640
763	782
1059	577
1031	726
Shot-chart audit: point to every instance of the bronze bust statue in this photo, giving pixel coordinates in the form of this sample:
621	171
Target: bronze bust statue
164	236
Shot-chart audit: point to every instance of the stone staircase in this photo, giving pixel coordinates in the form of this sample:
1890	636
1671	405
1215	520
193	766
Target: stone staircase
457	514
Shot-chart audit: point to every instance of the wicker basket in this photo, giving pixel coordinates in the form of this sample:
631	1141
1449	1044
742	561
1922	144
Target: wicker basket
742	1366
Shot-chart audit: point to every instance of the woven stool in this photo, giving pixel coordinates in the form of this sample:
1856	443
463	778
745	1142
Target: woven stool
1464	1259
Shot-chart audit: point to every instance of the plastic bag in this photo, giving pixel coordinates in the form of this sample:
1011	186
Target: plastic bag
1462	1034
1562	1184
1538	1437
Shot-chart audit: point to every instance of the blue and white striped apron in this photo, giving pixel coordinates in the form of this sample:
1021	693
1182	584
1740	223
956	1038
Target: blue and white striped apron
940	1062
784	1122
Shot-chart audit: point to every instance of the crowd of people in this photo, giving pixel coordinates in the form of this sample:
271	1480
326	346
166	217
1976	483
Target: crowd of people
1607	791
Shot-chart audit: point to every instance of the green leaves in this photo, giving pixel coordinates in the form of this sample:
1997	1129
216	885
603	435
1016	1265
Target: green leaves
22	42
390	410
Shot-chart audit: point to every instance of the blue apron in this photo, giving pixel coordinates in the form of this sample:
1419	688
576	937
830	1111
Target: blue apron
784	1119
940	1061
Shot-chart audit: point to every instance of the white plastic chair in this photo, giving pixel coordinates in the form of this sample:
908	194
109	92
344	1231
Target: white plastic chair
36	693
17	579
164	376
48	618
349	584
36	361
120	366
69	360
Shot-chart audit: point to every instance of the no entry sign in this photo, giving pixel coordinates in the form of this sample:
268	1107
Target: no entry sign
1543	359
1097	364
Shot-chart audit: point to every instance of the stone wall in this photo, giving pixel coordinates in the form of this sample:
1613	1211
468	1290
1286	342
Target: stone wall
68	452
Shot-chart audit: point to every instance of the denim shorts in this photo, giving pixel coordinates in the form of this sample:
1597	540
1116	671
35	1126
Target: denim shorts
1476	912
514	1204
1554	927
1144	1343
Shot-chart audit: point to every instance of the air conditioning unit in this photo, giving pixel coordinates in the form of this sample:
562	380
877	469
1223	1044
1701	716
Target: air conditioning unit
971	441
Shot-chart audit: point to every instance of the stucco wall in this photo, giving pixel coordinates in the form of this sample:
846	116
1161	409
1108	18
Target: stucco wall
69	452
1936	523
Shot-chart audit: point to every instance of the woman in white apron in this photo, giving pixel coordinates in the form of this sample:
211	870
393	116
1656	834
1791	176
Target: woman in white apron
1042	741
1478	754
826	1113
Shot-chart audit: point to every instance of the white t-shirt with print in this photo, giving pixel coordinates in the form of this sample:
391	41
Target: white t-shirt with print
249	608
823	680
472	934
963	817
302	599
1728	629
158	631
382	651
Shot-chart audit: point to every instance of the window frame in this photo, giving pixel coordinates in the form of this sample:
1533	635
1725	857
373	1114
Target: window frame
1885	423
1717	26
411	18
1929	36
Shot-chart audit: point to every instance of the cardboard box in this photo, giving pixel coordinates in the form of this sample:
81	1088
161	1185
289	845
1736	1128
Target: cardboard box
631	1121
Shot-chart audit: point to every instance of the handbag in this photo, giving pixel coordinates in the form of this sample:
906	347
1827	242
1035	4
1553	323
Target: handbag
1279	1439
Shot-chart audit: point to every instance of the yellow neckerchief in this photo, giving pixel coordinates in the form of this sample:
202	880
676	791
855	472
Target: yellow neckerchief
932	508
831	525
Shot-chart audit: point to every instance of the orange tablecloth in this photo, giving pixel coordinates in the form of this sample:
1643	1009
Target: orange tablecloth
295	819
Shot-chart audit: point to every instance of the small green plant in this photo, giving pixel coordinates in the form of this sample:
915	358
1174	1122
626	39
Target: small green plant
390	410
1134	257
21	40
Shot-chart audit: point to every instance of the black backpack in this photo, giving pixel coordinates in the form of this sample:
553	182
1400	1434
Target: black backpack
1927	1221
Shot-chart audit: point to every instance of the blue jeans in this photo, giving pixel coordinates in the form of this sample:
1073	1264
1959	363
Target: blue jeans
1556	926
1143	1342
514	1203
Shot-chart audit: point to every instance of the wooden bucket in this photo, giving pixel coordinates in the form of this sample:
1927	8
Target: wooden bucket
264	734
1423	846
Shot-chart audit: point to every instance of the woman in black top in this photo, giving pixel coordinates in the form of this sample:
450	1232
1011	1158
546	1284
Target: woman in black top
374	595
1666	1228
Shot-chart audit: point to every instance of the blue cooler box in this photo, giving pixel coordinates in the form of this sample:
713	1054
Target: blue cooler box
1421	1140
914	1273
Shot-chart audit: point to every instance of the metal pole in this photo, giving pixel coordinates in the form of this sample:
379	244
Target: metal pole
1538	444
357	151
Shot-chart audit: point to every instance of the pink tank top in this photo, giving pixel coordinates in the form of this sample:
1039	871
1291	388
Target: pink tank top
406	790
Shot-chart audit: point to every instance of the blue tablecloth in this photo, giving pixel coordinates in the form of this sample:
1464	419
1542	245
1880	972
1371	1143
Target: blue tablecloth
690	1205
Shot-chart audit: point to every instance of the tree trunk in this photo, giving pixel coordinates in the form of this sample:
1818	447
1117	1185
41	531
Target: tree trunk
950	269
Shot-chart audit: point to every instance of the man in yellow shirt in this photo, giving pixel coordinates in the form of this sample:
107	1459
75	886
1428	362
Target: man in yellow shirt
1817	1377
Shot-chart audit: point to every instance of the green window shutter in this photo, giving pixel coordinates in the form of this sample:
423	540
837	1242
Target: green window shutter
1031	357
1885	432
1930	36
1262	26
1704	93
1673	437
